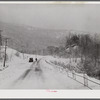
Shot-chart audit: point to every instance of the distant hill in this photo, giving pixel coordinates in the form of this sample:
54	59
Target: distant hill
33	38
30	37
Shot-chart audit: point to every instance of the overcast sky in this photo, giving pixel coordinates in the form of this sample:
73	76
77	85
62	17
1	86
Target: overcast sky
76	17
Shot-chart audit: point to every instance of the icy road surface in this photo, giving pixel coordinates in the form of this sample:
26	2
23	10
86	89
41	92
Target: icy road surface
37	75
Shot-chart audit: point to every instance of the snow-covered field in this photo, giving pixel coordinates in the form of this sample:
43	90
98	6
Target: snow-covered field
20	74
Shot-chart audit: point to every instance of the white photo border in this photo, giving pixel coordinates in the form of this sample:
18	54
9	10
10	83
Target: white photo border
70	94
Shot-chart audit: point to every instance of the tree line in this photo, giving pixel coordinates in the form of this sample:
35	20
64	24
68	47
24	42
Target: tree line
83	46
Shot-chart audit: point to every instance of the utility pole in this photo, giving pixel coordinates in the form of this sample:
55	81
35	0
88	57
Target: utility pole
6	40
0	42
22	51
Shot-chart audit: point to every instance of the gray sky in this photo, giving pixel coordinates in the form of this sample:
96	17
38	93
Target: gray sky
76	17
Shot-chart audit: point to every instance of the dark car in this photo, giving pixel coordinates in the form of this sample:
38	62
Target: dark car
30	59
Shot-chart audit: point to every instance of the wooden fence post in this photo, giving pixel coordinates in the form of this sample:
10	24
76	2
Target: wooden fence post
67	72
74	75
85	80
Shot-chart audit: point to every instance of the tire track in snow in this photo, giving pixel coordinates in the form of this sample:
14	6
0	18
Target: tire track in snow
34	71
26	72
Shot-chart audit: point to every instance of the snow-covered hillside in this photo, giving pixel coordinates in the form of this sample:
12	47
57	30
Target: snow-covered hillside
20	74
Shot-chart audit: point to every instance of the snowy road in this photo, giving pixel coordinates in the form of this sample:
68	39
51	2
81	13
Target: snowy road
37	75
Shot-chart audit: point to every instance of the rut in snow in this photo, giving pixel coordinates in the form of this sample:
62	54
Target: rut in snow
34	70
